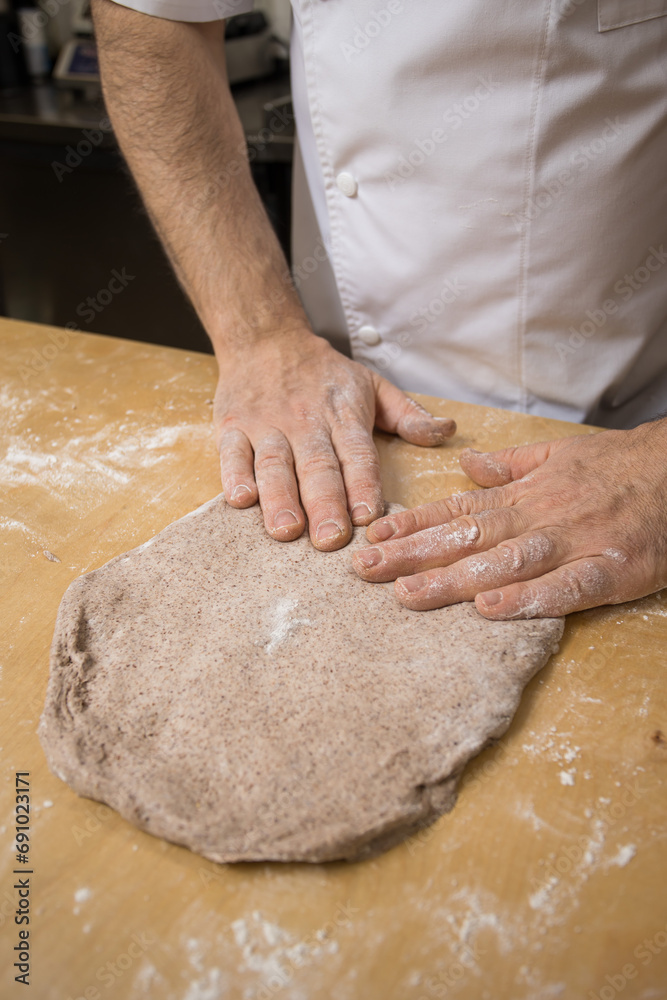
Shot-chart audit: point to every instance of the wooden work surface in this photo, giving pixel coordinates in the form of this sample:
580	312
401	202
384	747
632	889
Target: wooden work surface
545	879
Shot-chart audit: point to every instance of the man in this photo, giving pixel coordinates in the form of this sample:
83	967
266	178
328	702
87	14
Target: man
488	181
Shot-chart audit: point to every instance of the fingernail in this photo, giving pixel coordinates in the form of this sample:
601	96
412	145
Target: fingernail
328	529
413	583
447	425
360	512
369	557
285	519
239	491
384	530
493	597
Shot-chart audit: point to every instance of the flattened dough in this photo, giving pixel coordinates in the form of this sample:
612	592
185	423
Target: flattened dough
256	700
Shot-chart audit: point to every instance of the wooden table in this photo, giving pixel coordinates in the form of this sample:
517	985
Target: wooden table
549	878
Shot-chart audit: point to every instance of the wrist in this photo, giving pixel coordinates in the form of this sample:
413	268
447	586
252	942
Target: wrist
263	308
278	339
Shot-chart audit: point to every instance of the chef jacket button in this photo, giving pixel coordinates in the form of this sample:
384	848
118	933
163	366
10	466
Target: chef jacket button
369	336
347	184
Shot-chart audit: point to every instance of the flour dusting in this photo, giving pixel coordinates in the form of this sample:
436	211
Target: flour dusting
273	952
105	460
623	856
283	624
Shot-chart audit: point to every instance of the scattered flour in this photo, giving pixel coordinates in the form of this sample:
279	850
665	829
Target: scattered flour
268	949
283	623
210	986
104	460
624	855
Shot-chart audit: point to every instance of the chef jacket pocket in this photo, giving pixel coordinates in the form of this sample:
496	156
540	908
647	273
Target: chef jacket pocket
618	13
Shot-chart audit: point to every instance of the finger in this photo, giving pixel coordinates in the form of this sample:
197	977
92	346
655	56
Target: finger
438	546
515	559
322	492
360	467
236	469
396	413
585	583
496	468
406	522
278	491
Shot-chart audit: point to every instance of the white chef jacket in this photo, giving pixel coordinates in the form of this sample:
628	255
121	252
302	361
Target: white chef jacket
483	205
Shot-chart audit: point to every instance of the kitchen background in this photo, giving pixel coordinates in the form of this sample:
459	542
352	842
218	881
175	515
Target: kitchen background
70	215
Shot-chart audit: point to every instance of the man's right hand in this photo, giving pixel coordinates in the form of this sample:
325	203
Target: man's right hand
294	424
293	417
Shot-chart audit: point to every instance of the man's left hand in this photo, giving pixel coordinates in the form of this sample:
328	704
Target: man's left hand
566	525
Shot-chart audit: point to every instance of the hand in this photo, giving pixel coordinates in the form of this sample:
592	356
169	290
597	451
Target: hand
566	525
294	427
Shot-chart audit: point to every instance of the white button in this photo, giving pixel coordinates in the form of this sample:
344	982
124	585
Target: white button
369	335
347	184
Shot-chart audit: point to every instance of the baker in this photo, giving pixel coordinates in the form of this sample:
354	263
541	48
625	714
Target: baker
480	188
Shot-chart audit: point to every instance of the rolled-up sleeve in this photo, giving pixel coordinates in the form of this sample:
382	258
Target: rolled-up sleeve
189	10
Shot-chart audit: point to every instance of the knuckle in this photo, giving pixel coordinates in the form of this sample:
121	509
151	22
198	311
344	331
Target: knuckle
270	459
595	578
469	529
458	504
571	585
363	461
319	463
232	452
229	425
268	463
472	501
522	553
464	532
514	553
585	581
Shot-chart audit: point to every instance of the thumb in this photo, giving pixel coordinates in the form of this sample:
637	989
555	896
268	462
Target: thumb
497	468
396	413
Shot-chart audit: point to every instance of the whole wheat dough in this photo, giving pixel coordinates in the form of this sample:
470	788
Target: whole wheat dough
256	700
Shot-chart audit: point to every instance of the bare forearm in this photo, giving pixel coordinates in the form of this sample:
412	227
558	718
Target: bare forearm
168	98
293	418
